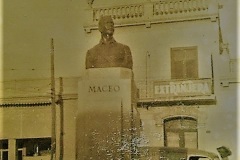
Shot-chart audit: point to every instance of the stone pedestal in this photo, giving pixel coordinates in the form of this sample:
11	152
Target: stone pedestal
107	120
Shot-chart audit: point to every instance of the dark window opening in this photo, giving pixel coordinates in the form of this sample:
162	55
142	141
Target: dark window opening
33	147
3	149
184	63
3	144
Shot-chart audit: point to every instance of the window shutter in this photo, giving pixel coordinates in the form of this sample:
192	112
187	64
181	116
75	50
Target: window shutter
184	63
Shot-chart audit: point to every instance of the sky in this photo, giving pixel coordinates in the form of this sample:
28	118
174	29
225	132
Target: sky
28	27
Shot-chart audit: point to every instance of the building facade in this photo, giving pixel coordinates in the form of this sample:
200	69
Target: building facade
26	119
180	67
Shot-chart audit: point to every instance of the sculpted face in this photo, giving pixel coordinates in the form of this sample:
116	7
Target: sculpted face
108	53
106	26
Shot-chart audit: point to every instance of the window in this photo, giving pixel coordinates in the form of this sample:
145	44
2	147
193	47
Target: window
180	132
33	147
3	149
184	63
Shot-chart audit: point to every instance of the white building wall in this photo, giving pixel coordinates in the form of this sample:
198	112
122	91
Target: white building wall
25	122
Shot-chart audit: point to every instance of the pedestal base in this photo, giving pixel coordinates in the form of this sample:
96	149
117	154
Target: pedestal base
107	118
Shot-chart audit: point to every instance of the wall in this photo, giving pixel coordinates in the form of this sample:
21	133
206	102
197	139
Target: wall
25	122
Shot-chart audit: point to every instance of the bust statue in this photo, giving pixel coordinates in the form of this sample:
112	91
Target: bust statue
108	53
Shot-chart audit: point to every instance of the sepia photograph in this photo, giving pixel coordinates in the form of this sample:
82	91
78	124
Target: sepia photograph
119	80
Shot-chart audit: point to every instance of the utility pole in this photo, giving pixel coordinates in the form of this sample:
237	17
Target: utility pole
122	133
147	58
60	99
132	141
53	102
212	74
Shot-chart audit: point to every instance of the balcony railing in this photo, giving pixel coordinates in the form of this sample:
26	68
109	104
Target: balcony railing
120	12
180	7
154	12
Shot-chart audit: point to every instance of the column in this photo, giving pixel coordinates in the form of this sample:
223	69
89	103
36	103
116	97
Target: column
12	149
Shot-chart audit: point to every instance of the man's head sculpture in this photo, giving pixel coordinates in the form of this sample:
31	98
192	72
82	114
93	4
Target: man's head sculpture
106	25
108	53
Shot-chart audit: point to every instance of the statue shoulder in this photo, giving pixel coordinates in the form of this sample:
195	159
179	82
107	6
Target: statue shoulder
124	46
93	50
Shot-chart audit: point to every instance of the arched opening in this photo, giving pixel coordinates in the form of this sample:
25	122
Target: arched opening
181	131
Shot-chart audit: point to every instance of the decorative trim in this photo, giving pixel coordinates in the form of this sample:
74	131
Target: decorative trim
38	104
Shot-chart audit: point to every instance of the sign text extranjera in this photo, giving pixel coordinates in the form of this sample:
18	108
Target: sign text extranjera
183	88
